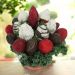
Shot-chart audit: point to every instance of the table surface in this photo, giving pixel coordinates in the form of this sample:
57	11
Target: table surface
63	67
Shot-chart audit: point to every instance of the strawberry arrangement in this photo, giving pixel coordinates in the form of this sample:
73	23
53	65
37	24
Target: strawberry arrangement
36	37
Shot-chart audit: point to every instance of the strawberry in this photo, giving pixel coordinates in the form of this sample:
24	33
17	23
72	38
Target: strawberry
33	17
62	32
45	46
9	29
19	45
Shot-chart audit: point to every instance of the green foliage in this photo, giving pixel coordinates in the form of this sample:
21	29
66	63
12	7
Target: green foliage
60	49
10	5
53	14
9	55
28	5
15	5
39	59
42	2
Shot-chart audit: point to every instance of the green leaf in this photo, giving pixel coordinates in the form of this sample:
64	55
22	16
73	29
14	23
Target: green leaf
53	15
43	2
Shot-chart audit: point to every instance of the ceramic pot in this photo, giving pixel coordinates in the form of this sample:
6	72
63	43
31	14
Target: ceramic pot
37	70
38	67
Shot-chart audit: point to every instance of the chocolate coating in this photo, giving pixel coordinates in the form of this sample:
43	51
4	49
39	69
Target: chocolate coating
55	38
31	46
10	38
14	20
38	34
